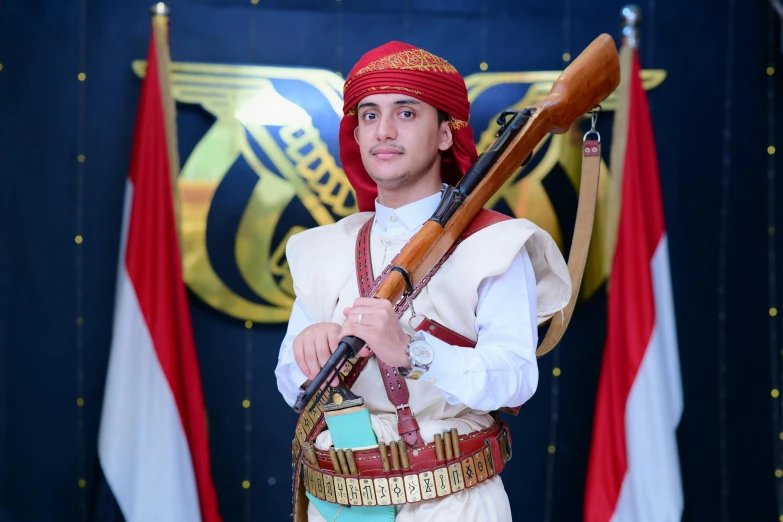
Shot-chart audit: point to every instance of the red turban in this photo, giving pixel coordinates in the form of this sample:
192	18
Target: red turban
404	69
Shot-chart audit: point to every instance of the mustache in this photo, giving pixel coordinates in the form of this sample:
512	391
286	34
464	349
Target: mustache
387	146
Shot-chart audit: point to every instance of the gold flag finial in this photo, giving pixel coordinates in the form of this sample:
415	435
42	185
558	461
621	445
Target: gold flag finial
160	9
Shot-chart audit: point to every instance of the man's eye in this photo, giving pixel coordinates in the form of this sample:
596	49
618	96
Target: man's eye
407	114
369	116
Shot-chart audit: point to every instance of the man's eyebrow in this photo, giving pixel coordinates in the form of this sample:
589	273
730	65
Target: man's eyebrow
408	101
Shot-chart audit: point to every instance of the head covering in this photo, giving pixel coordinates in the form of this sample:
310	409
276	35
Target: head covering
401	68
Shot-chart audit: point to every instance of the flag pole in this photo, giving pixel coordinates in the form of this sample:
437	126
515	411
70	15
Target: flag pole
160	14
631	20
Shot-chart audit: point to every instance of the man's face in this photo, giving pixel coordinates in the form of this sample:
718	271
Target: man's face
400	138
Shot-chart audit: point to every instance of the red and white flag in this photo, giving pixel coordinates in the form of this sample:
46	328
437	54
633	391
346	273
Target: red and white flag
152	444
634	470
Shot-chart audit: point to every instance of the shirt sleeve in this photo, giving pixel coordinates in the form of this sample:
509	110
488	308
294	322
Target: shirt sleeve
502	370
289	376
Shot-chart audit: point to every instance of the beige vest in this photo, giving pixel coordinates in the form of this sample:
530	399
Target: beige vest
322	263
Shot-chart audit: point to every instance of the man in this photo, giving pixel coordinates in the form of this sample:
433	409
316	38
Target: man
404	135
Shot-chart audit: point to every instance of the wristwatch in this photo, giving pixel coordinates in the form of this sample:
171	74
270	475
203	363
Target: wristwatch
421	354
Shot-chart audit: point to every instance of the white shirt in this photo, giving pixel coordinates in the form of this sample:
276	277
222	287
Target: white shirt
501	371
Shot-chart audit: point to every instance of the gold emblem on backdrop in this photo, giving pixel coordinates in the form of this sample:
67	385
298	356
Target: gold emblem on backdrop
286	149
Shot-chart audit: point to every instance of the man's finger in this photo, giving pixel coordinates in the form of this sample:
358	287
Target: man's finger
299	355
311	358
334	339
356	310
362	331
349	328
373	303
368	316
322	351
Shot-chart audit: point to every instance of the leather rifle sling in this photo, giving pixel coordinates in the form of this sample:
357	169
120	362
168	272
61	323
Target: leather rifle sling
580	245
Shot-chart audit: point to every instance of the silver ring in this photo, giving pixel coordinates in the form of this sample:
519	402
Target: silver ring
359	319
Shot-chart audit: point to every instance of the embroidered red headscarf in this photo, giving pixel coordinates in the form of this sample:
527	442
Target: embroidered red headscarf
397	67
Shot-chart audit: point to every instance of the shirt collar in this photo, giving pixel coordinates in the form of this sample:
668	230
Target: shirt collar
407	218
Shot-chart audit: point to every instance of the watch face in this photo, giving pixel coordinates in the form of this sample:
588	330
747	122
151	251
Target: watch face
421	352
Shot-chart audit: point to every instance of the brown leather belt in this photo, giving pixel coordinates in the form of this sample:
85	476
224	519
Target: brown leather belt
483	454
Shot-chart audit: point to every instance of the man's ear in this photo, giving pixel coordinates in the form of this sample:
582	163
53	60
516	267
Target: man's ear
446	137
356	133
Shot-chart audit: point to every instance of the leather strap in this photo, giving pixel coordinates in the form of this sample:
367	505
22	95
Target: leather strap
445	334
583	230
369	463
396	388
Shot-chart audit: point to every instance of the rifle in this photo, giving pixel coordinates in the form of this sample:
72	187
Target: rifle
586	82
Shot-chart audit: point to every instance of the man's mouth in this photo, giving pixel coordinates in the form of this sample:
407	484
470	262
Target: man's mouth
386	153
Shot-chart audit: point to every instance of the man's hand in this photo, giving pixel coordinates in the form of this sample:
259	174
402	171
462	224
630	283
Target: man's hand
314	345
379	328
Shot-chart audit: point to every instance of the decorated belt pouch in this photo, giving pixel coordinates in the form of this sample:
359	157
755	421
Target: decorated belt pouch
349	425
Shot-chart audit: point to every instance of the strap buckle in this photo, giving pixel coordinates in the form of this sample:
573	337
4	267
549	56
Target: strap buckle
401	407
504	441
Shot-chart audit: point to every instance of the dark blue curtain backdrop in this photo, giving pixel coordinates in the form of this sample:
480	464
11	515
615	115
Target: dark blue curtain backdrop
50	360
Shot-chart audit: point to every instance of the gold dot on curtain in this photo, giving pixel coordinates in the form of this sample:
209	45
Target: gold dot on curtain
781	518
483	66
770	72
773	312
781	436
80	158
248	324
79	240
566	57
771	231
246	484
551	450
79	321
556	372
82	77
775	393
254	2
246	403
1	66
779	473
770	150
82	483
80	402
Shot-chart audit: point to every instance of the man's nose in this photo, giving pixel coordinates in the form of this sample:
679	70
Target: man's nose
386	129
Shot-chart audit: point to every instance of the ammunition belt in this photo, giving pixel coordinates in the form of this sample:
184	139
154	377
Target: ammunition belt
427	472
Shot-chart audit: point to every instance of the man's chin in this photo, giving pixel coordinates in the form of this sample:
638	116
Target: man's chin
389	179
